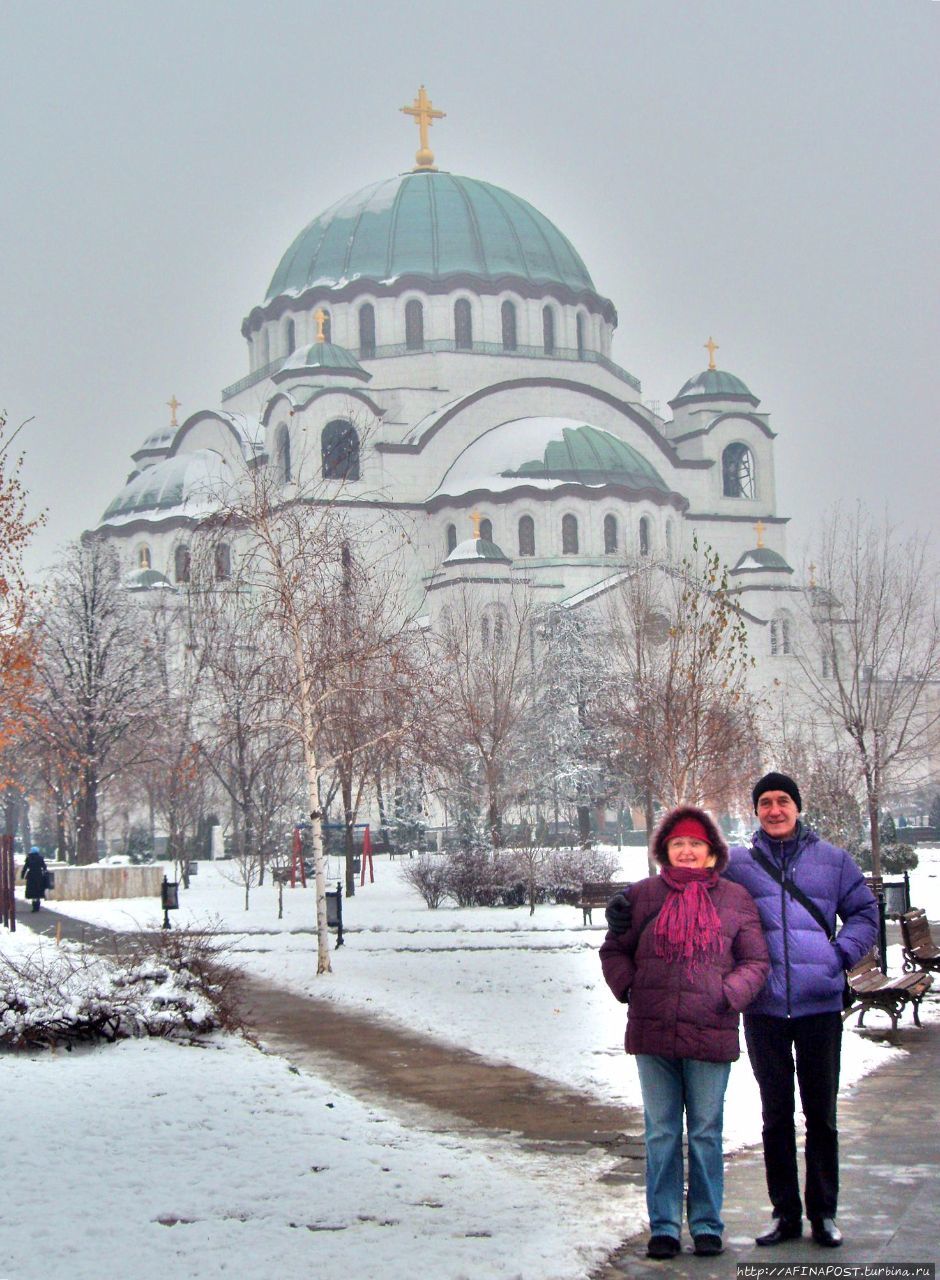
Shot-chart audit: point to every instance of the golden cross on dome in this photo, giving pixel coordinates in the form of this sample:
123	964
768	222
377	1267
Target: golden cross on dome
320	316
711	347
425	114
759	529
173	405
476	518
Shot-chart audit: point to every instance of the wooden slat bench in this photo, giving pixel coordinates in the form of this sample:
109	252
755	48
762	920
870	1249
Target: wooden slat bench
920	950
597	893
871	989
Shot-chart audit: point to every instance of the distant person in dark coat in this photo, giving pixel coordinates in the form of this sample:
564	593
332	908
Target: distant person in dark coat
34	873
797	1019
692	955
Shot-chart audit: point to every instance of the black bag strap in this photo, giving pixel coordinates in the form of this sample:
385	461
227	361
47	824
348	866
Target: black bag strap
795	892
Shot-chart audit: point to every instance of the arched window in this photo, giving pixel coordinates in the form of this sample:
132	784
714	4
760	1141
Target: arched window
569	535
264	348
526	536
222	555
143	557
644	535
579	326
414	325
548	331
340	451
451	537
367	330
780	636
282	453
828	665
610	535
499	626
463	325
670	540
182	564
486	530
737	472
485	631
290	336
508	313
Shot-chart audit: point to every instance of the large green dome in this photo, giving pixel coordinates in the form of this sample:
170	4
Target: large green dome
429	224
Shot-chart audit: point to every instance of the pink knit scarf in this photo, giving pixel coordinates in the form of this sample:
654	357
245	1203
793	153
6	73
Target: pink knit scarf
688	926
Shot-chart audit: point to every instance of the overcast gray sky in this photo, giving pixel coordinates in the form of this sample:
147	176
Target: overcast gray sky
762	171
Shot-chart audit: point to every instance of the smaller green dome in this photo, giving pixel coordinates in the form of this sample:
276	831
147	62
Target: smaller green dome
148	580
713	384
321	357
473	550
761	559
592	456
186	483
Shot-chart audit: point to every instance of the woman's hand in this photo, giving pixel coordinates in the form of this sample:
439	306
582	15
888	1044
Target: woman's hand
619	913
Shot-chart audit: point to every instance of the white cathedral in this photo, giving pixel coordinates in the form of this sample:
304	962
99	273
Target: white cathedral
436	340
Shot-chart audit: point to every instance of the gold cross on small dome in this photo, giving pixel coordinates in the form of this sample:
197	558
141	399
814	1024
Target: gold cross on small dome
759	529
320	316
424	113
476	518
173	405
711	346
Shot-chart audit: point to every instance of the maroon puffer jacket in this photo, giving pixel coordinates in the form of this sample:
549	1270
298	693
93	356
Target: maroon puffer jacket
672	1014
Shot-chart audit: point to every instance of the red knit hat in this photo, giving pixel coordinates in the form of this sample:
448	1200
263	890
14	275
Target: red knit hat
690	827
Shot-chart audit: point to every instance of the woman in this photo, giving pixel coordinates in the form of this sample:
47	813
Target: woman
34	873
692	957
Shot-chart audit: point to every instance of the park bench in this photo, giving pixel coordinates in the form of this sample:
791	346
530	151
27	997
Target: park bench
920	950
597	893
872	989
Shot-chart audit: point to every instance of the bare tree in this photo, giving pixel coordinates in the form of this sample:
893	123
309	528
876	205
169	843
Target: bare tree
870	649
94	681
682	721
486	695
322	646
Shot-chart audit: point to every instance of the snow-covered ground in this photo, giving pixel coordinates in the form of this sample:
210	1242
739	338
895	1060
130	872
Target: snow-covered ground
266	1171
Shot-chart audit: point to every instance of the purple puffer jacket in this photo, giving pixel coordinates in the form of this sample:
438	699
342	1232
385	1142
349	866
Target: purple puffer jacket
807	969
671	1013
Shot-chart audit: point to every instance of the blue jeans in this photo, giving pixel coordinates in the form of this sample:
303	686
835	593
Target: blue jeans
671	1087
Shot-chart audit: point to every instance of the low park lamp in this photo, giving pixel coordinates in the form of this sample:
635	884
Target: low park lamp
169	899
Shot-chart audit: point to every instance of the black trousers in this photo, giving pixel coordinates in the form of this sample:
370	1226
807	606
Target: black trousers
816	1044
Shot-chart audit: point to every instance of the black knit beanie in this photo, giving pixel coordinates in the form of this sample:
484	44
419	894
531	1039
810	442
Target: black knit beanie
778	782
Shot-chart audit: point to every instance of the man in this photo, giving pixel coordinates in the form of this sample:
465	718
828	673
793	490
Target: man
800	884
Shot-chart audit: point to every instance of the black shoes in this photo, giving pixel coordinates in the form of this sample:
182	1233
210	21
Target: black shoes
662	1247
708	1246
783	1229
826	1233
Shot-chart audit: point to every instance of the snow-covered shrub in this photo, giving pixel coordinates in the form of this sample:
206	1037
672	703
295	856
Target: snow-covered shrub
172	985
473	877
428	875
567	869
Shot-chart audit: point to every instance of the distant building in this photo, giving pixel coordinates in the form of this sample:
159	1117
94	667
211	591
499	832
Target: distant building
435	342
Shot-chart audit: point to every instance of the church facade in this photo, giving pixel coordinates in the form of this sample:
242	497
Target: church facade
435	344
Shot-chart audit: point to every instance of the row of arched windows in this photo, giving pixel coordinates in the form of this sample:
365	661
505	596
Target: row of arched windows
463	328
570	535
183	565
339	452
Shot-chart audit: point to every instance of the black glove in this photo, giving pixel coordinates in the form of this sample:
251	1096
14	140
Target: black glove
619	913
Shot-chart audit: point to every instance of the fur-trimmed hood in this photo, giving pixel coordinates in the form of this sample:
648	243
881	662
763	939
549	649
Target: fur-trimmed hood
716	840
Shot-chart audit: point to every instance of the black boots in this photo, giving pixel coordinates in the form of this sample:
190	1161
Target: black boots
826	1233
782	1229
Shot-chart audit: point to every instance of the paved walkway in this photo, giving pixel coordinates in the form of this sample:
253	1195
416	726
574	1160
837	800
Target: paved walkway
889	1125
